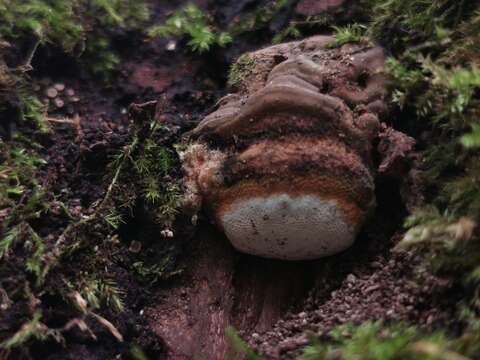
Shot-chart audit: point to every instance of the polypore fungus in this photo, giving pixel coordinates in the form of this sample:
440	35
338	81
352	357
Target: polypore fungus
284	166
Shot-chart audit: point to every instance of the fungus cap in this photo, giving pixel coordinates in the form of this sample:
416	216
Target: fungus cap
290	170
290	228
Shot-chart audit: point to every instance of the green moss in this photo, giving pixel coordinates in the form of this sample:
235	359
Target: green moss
47	20
154	273
240	70
152	164
101	292
108	18
435	47
82	27
114	219
32	110
32	329
8	241
18	170
191	21
377	341
100	59
472	140
447	244
412	21
239	348
137	353
374	340
436	78
290	32
346	34
257	19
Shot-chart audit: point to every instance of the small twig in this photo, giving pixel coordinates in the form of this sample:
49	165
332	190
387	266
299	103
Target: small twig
75	122
117	173
27	66
306	22
60	121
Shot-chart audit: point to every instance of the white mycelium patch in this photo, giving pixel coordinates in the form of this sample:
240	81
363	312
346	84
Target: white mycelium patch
290	228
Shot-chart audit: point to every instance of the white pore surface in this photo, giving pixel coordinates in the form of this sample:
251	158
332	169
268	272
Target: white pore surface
289	228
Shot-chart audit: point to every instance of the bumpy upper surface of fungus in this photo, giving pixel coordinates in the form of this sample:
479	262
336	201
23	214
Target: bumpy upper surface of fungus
284	165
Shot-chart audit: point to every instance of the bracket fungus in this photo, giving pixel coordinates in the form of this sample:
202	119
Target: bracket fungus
284	166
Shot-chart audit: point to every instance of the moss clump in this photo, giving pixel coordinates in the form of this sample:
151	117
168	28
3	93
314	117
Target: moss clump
346	34
258	19
18	173
100	293
17	104
32	329
435	47
82	28
70	24
42	20
151	178
239	348
240	70
374	341
191	21
292	31
377	341
404	23
435	77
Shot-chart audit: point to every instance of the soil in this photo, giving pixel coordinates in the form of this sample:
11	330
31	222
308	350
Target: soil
271	303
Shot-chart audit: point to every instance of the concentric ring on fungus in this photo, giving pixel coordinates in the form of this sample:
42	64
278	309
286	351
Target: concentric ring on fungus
284	165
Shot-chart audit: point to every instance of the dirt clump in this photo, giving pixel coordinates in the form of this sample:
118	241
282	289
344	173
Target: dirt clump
383	289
